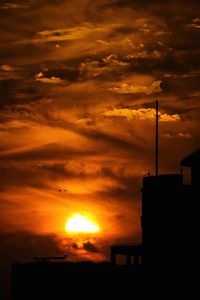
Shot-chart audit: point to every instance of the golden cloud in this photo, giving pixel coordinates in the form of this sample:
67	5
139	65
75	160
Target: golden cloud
66	34
133	89
6	68
52	80
71	34
141	114
105	65
196	20
186	75
13	6
185	135
193	25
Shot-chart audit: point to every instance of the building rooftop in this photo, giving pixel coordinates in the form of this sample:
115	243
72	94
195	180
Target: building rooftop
166	180
192	159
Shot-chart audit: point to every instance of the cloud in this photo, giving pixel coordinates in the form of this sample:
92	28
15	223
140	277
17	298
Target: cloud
189	74
52	80
106	67
7	6
6	68
90	247
15	124
141	114
75	33
110	58
169	118
193	25
133	89
78	32
185	135
196	20
45	152
7	72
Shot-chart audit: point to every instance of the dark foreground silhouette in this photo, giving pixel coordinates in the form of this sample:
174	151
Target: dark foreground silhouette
169	221
65	280
170	234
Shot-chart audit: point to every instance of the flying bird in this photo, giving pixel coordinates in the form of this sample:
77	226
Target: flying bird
62	190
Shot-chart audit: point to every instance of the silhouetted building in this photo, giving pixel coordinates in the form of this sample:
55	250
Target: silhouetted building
193	161
161	213
170	217
65	280
169	221
191	196
133	254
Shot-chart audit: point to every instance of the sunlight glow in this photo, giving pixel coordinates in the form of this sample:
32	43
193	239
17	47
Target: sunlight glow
80	223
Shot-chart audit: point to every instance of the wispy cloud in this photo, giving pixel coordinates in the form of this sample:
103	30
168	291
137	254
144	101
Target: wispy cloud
85	30
190	74
193	25
185	135
7	6
134	89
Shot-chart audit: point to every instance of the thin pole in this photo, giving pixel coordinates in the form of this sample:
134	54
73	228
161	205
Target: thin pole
156	162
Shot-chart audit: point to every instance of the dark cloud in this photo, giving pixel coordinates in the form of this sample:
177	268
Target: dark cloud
88	246
65	74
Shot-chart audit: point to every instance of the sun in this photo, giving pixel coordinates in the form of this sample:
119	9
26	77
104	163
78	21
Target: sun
81	223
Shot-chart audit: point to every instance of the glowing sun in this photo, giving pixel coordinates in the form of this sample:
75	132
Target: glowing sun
81	223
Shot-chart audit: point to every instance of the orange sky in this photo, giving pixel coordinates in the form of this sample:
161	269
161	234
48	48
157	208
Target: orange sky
78	83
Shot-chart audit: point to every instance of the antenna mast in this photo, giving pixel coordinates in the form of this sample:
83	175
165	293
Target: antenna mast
156	161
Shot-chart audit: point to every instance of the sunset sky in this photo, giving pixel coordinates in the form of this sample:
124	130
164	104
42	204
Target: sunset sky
78	84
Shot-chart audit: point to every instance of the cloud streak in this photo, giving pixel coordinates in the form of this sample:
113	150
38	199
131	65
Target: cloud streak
133	89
